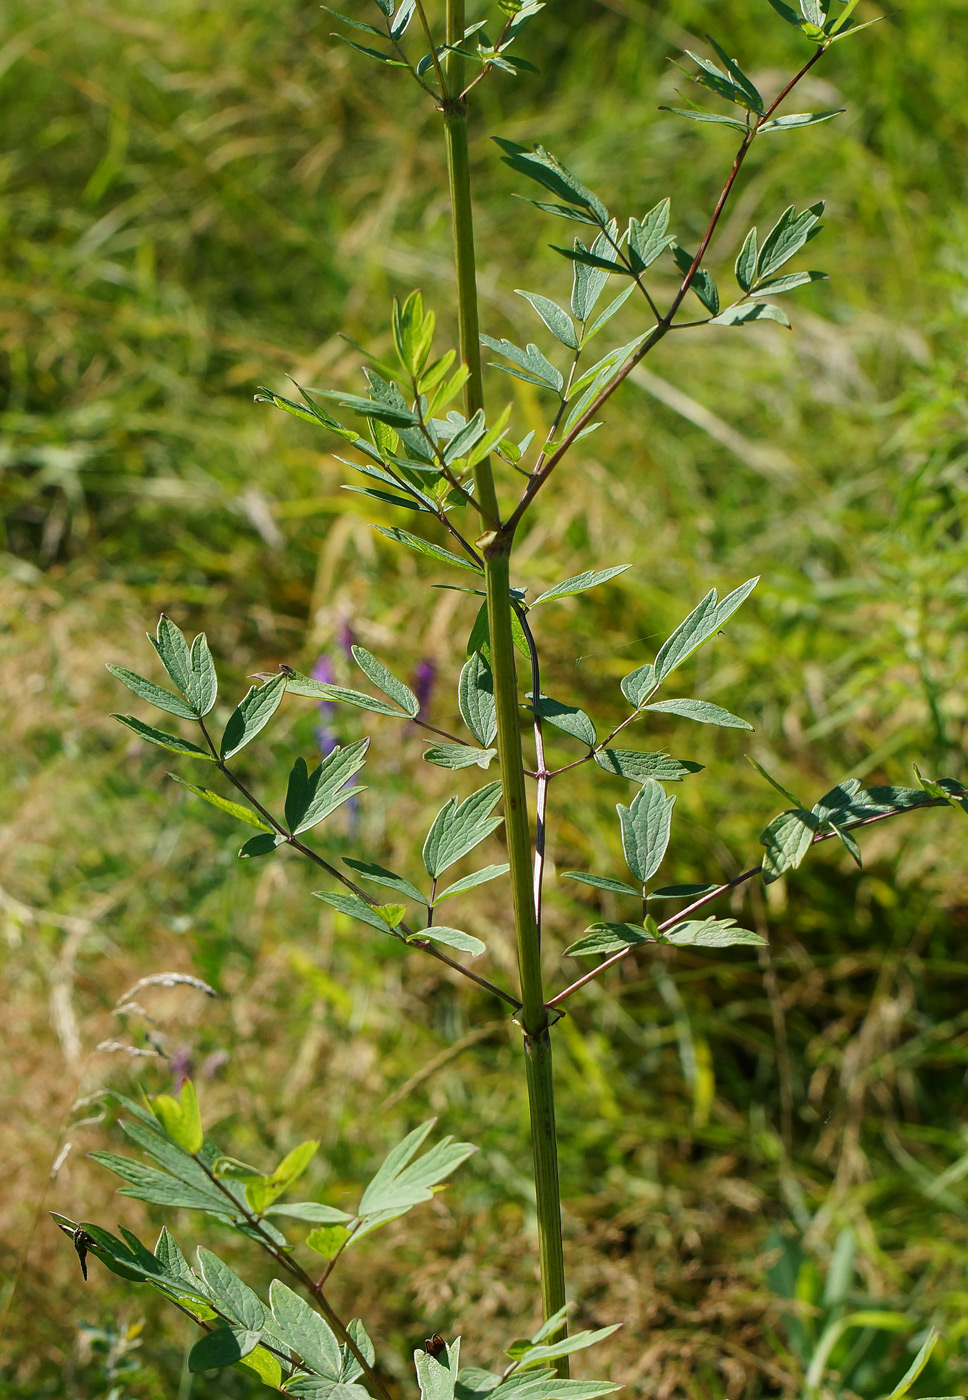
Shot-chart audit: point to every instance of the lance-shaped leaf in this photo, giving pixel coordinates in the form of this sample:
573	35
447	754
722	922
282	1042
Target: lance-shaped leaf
701	711
750	311
303	1331
696	114
223	1347
160	1188
604	938
451	938
568	718
701	624
262	845
354	908
528	1354
578	583
313	796
589	281
629	763
702	283
645	829
402	1182
475	696
379	875
469	882
252	715
458	829
787	839
202	681
465	438
351	1367
459	756
215	799
773	286
164	741
308	412
745	266
557	320
528	364
540	165
789	120
154	694
710	933
298	684
602	882
639	684
544	1387
384	680
735	86
437	1375
422	546
311	1210
787	236
605	316
170	644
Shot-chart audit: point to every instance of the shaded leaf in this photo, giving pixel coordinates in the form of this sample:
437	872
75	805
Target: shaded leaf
459	756
558	321
710	933
604	938
787	839
163	740
154	694
354	907
252	715
568	718
378	875
313	796
603	882
422	546
629	763
223	1347
475	696
469	882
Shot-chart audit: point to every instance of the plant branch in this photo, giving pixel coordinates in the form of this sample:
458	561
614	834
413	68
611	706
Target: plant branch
285	1261
727	885
337	874
540	476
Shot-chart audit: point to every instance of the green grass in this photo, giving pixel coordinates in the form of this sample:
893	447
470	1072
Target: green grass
196	203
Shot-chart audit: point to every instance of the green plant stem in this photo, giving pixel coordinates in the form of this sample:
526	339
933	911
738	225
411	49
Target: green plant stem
496	546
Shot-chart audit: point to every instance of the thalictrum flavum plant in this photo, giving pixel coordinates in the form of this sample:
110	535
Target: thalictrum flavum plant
427	446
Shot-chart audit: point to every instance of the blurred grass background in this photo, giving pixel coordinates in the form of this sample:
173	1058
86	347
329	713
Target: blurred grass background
196	200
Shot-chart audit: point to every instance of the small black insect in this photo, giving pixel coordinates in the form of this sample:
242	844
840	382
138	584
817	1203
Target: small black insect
286	670
434	1345
82	1243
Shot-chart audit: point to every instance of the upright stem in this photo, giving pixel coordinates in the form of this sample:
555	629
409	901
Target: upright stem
495	546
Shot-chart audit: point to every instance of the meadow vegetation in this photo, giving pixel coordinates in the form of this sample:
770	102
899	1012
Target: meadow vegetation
194	203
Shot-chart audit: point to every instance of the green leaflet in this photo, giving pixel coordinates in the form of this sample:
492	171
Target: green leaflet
402	1182
313	796
787	839
163	740
469	882
539	1353
646	827
475	696
603	882
568	718
703	622
609	938
302	1329
378	875
223	1347
422	546
750	311
558	321
528	364
649	237
629	763
700	710
458	829
452	938
437	1376
787	236
233	1298
459	756
263	1191
710	933
540	165
580	582
154	694
214	799
180	1118
355	908
252	715
589	280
